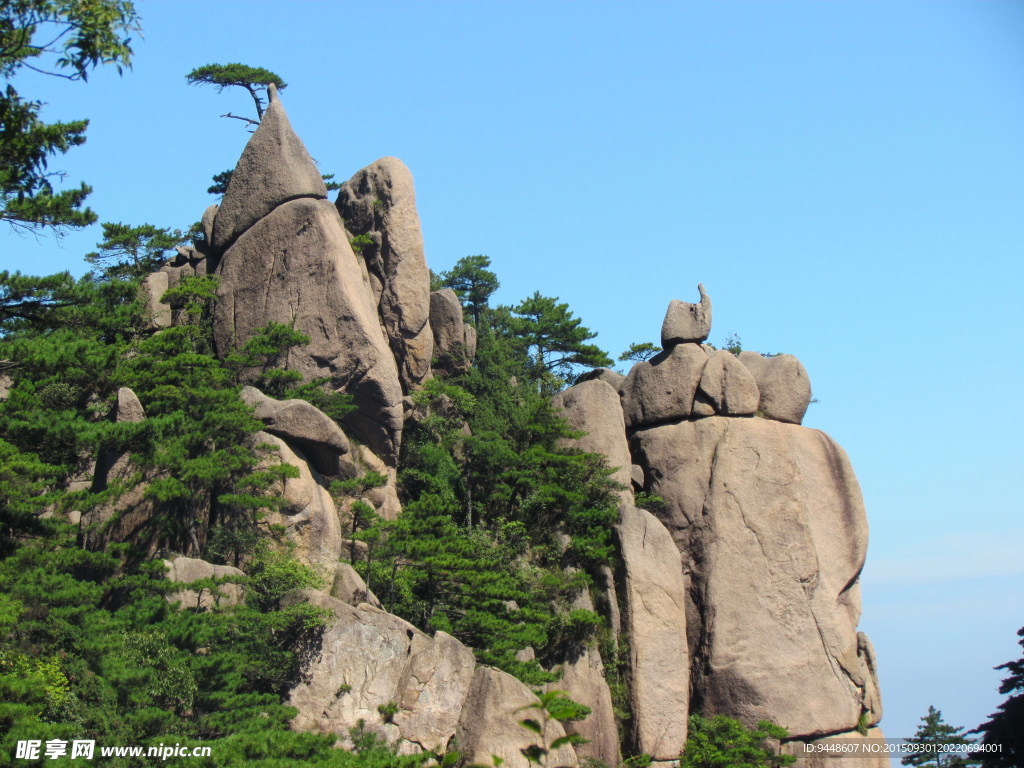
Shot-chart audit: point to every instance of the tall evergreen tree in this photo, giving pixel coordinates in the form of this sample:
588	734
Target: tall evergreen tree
472	282
932	735
1005	727
133	252
555	340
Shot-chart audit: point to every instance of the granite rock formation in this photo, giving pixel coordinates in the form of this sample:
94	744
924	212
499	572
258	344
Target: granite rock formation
768	522
737	593
378	205
191	569
283	256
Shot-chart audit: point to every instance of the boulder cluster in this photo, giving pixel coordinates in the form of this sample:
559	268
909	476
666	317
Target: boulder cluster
735	591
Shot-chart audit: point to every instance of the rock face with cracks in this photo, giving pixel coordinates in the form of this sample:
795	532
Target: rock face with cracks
378	205
736	594
769	520
284	257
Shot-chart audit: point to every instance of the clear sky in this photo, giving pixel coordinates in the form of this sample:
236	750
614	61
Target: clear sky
846	179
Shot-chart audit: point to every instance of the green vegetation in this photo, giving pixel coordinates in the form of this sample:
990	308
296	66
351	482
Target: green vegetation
722	741
552	705
1006	726
638	353
133	252
503	525
64	38
255	81
933	733
472	282
553	340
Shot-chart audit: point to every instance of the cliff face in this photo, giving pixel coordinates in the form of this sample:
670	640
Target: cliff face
768	520
738	595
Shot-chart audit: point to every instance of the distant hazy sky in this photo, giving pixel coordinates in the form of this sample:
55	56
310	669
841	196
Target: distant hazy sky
846	179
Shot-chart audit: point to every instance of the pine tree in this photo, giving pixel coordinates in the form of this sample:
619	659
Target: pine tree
255	80
555	340
133	252
1005	727
722	741
472	282
637	353
932	734
66	39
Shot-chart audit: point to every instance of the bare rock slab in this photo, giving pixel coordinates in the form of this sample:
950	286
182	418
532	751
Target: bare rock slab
154	286
449	329
489	724
687	323
806	757
368	659
190	569
379	204
772	528
594	407
295	266
656	624
302	424
583	681
273	169
349	587
309	517
663	388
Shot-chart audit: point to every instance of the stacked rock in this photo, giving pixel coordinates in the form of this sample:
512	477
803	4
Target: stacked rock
689	379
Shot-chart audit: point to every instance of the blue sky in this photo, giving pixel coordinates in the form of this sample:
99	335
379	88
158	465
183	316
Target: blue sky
846	179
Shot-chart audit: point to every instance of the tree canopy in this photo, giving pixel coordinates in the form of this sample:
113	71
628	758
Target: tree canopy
721	741
63	38
554	338
128	251
934	734
1005	726
472	282
254	80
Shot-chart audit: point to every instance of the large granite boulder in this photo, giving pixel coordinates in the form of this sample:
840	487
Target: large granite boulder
783	384
187	570
773	534
687	323
663	388
308	517
489	724
301	424
378	204
611	377
367	659
655	620
594	408
126	515
295	266
866	750
451	342
274	168
284	257
583	681
349	587
728	386
158	312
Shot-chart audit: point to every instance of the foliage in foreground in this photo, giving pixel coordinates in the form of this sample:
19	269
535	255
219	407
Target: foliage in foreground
65	39
722	742
1005	726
